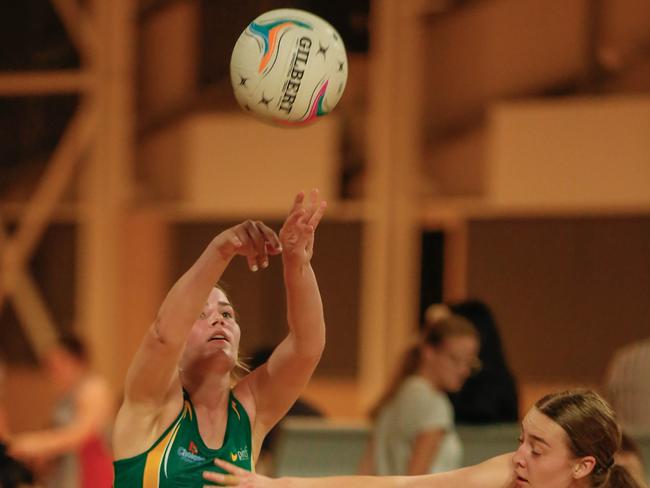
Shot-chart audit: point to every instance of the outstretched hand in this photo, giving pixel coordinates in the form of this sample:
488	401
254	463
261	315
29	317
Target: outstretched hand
237	476
252	239
297	233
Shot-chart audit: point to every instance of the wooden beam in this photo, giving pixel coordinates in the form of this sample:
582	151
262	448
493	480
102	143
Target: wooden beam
34	316
44	82
16	282
105	188
78	25
73	145
391	239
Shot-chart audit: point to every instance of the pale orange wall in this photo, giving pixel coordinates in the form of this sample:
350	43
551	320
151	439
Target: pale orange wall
145	252
502	48
456	165
566	291
233	164
29	398
578	153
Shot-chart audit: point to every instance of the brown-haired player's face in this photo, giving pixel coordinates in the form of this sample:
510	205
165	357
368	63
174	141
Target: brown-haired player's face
543	459
215	333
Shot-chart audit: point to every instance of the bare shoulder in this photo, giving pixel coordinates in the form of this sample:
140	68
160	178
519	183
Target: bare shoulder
244	394
139	425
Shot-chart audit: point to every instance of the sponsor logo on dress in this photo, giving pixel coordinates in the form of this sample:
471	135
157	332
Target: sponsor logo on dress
241	455
188	456
192	448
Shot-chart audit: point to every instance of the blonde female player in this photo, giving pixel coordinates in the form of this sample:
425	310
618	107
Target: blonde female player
568	440
180	410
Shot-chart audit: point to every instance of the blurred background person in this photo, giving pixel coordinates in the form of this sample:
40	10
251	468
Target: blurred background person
74	450
490	395
630	457
13	474
627	386
414	420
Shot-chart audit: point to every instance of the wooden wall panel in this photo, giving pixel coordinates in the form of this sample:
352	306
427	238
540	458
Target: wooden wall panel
566	291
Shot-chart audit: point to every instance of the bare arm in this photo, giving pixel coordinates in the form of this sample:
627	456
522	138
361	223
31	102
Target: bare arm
276	385
367	463
424	451
493	473
155	363
93	411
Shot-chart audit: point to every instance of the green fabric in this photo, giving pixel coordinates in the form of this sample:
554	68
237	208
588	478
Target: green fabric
179	456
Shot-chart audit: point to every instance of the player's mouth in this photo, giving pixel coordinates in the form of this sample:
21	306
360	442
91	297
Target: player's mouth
218	337
520	480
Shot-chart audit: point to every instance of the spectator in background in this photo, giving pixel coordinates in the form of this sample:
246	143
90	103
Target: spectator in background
13	474
414	421
490	396
629	456
627	386
76	443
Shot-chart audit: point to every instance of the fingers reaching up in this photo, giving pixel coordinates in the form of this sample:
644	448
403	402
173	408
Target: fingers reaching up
297	233
256	241
252	239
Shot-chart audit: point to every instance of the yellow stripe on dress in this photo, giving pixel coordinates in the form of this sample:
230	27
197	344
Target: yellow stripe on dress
151	475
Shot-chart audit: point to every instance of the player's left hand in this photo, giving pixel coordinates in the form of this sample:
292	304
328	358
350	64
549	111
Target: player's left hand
297	233
237	476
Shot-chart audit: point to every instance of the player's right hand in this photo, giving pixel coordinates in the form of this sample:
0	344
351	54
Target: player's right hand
252	239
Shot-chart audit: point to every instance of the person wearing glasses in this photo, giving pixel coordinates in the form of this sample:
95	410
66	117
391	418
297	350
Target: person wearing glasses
413	420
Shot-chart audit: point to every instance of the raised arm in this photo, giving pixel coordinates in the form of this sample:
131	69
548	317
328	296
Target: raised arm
277	384
152	382
155	363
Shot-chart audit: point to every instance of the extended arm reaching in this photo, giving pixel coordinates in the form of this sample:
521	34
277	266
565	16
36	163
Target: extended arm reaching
276	385
493	473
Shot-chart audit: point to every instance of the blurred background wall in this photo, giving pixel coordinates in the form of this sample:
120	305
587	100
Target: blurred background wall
492	149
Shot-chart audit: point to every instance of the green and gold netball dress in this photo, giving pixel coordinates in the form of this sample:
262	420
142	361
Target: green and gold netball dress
179	456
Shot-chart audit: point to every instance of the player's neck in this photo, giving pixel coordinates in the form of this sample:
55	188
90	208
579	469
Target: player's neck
209	390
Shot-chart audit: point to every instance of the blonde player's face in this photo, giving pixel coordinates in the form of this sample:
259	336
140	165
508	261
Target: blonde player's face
453	361
215	333
543	459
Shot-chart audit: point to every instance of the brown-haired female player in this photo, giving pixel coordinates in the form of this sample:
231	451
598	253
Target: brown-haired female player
568	440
